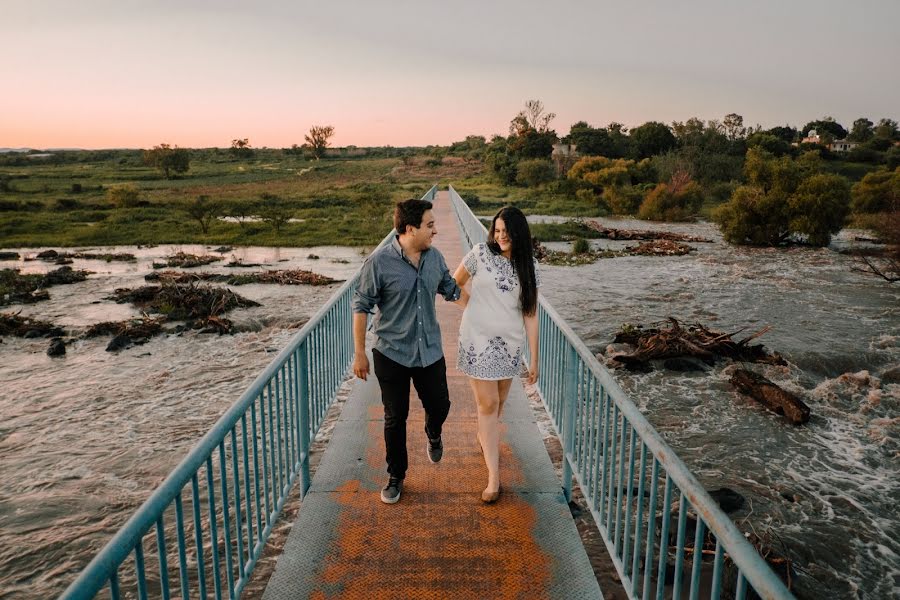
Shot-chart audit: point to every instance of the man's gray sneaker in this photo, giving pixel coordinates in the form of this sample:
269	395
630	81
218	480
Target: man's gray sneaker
435	449
391	492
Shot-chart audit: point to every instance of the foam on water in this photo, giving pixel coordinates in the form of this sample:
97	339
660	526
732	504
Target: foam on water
827	490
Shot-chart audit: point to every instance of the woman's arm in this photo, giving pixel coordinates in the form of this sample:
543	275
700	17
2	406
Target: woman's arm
531	330
462	277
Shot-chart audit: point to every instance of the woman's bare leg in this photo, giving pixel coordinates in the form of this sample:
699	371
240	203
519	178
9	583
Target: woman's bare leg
503	389
488	400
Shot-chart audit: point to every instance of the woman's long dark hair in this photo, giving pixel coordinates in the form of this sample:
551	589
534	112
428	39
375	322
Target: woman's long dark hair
522	258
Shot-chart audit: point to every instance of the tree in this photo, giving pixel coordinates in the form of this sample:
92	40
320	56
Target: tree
862	130
678	200
241	148
878	191
533	117
498	160
819	207
825	125
652	138
317	140
615	178
783	199
770	143
535	172
590	141
273	211
887	129
787	133
532	144
168	159
204	211
734	126
621	143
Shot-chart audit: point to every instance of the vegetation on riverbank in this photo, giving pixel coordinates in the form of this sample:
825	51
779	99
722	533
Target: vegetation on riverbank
771	179
272	198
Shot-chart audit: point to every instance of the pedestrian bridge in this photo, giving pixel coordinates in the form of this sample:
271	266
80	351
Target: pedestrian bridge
202	532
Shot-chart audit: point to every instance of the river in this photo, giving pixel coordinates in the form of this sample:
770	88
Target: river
85	438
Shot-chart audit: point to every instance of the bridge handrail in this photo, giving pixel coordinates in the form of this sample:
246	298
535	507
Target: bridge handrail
581	395
306	375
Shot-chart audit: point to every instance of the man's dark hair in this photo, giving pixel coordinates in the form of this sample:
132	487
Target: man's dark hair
409	212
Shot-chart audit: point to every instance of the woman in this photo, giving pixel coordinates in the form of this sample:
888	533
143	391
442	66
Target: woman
501	309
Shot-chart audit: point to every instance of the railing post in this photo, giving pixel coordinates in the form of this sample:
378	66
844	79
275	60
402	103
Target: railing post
303	426
570	398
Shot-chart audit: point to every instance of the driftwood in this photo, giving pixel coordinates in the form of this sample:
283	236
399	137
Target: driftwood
287	277
15	325
54	256
660	248
692	341
183	302
640	234
771	396
19	288
186	261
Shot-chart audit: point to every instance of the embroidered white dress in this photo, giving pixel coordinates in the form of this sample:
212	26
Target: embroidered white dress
492	331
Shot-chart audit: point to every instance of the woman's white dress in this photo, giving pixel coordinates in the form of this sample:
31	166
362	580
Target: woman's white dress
492	331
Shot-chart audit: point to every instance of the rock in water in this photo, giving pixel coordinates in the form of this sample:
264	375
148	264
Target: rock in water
682	365
57	347
120	342
728	499
771	396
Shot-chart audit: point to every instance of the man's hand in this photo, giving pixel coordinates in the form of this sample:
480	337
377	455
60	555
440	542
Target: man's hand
361	365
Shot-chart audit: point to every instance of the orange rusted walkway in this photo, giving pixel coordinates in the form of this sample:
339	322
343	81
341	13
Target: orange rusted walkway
439	541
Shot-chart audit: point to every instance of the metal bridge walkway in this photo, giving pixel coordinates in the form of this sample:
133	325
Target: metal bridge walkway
439	541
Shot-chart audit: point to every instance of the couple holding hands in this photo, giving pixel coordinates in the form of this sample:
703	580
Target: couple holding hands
402	279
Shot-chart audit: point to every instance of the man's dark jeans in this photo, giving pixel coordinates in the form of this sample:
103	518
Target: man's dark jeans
431	385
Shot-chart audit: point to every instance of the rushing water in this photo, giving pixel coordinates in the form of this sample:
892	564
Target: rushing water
830	489
86	437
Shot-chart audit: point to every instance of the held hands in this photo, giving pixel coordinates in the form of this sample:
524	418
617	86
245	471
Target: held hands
361	365
532	377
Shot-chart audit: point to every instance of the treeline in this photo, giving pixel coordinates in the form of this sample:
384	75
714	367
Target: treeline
772	186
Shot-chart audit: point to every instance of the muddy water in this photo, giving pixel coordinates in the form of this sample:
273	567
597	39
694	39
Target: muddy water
84	438
829	490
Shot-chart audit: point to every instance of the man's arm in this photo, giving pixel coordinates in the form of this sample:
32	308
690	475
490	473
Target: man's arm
449	288
364	301
360	360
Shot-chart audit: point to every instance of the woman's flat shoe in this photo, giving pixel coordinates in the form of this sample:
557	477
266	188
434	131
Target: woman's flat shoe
490	497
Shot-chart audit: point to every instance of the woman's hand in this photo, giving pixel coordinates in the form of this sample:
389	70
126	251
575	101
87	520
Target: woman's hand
532	373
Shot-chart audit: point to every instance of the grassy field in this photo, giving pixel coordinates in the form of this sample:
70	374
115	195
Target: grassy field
346	202
334	201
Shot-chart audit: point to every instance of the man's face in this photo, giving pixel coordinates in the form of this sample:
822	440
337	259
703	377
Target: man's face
422	234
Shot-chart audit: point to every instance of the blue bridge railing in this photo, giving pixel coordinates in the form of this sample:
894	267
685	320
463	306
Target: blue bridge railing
204	528
656	519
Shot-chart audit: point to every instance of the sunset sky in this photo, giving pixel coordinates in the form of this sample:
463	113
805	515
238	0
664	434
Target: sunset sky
125	73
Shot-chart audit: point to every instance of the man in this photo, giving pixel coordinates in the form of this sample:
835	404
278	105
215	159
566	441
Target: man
402	279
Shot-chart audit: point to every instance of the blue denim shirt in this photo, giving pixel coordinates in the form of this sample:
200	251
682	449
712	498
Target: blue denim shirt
406	325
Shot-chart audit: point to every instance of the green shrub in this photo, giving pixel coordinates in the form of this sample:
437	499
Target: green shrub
535	172
819	208
581	246
665	204
879	191
124	196
622	200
